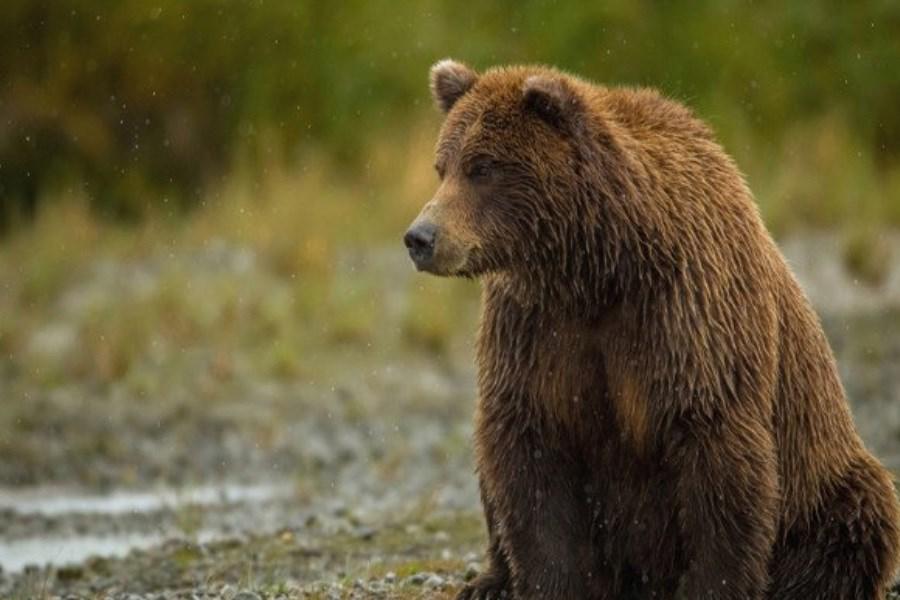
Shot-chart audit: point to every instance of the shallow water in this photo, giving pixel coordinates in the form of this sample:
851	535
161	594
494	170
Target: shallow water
44	548
59	501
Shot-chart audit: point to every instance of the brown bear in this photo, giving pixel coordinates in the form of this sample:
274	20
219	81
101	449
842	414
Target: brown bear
659	412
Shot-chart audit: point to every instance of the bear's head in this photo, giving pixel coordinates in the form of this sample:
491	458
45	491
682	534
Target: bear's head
514	158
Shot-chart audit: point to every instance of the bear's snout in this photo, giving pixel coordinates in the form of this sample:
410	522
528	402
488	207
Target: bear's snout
419	240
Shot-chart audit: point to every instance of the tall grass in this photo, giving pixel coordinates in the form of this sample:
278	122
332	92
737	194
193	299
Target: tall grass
277	266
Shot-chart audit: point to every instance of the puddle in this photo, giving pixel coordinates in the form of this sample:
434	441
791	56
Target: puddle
16	555
54	502
43	548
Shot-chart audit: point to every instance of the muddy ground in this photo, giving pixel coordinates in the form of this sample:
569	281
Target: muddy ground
351	479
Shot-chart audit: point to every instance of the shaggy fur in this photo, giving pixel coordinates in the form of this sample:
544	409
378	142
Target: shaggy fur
659	411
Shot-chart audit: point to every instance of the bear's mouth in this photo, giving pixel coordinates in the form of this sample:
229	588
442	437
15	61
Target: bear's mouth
455	267
433	251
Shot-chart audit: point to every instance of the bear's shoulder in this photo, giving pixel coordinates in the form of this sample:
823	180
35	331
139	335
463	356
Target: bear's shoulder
643	108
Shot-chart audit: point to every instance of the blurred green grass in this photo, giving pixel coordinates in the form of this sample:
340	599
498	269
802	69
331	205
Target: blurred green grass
143	107
144	147
285	269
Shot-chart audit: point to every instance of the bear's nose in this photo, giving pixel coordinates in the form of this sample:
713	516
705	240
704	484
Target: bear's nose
419	239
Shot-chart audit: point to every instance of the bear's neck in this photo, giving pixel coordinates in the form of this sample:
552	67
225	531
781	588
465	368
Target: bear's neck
558	296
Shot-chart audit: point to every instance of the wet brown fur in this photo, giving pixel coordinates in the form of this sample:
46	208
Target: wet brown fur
659	411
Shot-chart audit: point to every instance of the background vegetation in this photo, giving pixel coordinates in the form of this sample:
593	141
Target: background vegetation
141	105
303	132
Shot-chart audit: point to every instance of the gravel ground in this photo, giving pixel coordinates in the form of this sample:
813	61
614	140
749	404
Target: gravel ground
341	489
355	482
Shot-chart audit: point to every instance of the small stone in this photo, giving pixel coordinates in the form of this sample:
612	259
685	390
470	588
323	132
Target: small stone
434	581
390	577
246	595
69	573
417	579
286	536
472	571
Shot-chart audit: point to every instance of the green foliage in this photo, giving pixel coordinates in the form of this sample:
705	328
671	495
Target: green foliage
140	105
867	256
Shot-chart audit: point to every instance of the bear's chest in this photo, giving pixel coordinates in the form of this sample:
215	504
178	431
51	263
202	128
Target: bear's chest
568	374
551	370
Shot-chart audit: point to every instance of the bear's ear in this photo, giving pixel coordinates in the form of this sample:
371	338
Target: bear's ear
450	81
552	99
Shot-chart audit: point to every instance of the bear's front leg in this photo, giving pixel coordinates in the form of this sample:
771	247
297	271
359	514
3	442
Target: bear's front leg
727	501
494	583
543	519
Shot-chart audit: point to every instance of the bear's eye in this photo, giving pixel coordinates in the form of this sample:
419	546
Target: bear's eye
480	170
